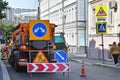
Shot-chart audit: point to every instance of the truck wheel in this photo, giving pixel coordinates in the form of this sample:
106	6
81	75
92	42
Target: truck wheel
16	67
10	62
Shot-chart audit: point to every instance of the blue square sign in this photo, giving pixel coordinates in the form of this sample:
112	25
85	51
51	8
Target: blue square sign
101	28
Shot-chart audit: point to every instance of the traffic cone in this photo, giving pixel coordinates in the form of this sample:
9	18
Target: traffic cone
83	73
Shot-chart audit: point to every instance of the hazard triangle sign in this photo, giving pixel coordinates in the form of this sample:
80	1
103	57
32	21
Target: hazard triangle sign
40	58
101	11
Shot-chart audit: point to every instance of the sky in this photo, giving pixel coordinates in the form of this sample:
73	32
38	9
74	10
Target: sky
27	4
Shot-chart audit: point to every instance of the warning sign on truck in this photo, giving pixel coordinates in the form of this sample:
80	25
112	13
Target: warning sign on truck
40	30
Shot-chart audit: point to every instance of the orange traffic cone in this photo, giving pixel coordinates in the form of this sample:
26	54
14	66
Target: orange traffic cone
83	73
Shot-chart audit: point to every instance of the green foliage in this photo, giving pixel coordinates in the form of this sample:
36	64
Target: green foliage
7	29
3	5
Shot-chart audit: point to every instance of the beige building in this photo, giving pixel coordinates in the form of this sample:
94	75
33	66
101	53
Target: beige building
71	18
113	21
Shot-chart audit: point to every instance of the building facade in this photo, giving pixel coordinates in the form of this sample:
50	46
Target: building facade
17	15
70	16
113	23
9	15
24	17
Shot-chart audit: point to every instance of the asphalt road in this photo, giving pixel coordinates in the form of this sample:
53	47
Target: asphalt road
93	73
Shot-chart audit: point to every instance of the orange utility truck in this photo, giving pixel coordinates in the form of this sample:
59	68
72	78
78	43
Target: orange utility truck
32	43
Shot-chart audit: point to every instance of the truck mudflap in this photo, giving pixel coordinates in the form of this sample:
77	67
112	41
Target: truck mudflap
48	67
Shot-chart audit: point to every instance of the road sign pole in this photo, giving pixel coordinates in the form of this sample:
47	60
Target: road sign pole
102	48
102	28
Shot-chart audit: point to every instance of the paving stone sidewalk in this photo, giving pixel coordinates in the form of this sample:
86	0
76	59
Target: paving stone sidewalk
91	61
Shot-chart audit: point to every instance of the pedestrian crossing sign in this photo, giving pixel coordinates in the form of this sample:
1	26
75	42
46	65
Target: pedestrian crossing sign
101	28
101	11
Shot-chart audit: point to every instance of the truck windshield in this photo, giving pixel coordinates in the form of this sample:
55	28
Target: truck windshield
59	39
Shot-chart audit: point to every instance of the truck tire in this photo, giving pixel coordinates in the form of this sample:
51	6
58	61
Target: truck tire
16	67
11	63
11	59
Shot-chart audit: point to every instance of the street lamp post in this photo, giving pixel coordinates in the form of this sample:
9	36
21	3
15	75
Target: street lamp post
38	9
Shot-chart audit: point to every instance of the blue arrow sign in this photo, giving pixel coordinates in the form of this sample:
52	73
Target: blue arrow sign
60	56
39	29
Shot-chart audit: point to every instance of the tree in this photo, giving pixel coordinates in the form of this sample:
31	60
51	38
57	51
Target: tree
3	6
7	29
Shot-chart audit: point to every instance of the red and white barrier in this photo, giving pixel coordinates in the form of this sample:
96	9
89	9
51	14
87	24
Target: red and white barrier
48	67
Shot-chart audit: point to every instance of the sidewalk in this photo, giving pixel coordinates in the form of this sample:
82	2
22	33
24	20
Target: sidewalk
90	61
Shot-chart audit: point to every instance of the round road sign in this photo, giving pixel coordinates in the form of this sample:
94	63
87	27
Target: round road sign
60	56
39	29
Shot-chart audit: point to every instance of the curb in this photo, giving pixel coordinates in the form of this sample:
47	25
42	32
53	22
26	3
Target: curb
80	61
95	64
105	65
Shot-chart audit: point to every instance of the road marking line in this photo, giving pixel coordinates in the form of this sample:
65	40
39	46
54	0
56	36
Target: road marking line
4	70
